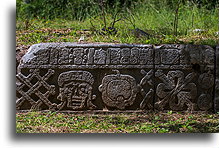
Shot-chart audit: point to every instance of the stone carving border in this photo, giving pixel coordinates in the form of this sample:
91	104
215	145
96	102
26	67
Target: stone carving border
176	77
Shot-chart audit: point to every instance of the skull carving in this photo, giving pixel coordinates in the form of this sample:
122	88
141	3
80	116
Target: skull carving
76	90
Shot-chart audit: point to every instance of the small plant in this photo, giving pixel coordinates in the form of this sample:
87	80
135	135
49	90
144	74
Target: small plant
163	130
176	18
170	112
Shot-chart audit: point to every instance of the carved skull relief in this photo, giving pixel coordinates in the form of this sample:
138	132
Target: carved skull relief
76	90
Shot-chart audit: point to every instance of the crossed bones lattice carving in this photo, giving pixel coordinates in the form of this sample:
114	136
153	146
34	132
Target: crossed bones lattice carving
26	88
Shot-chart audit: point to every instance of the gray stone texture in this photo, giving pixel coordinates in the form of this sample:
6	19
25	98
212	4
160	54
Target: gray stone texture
113	77
184	77
216	98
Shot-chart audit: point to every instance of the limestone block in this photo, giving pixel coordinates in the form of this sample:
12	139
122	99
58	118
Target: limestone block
116	77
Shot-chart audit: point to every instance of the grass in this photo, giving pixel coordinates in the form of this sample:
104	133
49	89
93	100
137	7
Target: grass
152	18
71	31
53	122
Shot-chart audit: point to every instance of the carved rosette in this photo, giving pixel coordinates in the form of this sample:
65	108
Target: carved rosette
118	90
75	90
175	90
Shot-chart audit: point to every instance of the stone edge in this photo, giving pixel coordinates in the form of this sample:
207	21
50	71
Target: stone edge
216	91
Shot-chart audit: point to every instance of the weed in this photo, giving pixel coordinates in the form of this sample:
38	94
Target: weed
170	112
163	130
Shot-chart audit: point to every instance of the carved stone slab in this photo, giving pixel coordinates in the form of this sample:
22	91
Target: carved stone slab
113	77
216	100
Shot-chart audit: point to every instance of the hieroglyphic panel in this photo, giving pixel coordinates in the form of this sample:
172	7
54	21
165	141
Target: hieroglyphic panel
71	76
97	56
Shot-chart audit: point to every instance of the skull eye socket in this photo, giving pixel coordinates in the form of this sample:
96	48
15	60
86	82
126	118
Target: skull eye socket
83	88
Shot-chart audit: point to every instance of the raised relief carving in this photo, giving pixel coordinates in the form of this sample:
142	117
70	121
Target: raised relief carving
125	56
79	55
118	90
60	76
169	56
206	82
99	56
134	56
41	57
145	56
75	90
63	56
33	88
148	97
115	55
175	90
53	60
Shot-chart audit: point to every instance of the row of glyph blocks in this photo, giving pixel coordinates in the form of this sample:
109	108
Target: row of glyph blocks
72	77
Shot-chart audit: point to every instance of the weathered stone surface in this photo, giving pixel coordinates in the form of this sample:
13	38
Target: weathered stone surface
216	100
79	77
20	52
184	77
